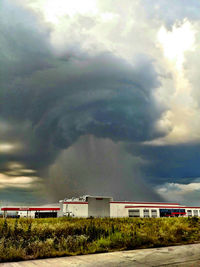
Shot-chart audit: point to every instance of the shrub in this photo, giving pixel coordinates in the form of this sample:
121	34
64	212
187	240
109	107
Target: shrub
37	238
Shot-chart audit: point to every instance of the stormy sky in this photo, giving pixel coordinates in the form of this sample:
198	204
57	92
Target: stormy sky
99	97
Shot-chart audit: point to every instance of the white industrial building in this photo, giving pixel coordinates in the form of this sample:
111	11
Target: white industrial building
101	206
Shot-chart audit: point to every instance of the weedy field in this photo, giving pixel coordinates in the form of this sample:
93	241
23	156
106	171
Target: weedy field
22	239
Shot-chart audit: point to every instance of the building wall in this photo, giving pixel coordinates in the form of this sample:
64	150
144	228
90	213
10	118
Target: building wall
118	210
61	211
75	209
98	207
102	207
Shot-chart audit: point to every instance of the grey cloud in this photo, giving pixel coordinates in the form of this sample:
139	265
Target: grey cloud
23	41
17	196
170	163
102	89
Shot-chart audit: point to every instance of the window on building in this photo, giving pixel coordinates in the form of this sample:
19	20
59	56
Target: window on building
189	213
195	212
134	213
146	213
154	213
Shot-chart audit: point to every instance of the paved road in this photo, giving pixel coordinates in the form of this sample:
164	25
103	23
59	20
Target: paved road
187	255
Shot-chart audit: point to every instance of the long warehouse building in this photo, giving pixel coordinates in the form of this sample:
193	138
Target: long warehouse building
101	206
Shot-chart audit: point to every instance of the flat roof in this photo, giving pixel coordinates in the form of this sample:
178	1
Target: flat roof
165	207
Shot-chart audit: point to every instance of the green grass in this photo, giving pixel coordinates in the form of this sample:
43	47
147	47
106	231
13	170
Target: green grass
22	239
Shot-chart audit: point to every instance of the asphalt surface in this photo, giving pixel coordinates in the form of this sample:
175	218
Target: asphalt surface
187	255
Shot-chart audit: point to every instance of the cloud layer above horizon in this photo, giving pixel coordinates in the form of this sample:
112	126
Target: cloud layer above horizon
99	97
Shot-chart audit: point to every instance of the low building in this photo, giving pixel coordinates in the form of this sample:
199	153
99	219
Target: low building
100	206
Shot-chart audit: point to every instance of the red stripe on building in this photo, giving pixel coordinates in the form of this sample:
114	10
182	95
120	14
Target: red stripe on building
127	202
171	207
29	209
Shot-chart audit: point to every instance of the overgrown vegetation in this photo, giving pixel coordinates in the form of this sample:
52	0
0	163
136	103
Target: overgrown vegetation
22	239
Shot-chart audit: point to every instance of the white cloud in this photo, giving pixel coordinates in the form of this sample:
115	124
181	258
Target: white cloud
183	193
176	42
177	95
17	181
17	176
6	147
96	26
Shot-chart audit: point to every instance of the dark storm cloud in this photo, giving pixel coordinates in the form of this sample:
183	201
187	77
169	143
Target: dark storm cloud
51	102
177	163
59	116
24	44
103	96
